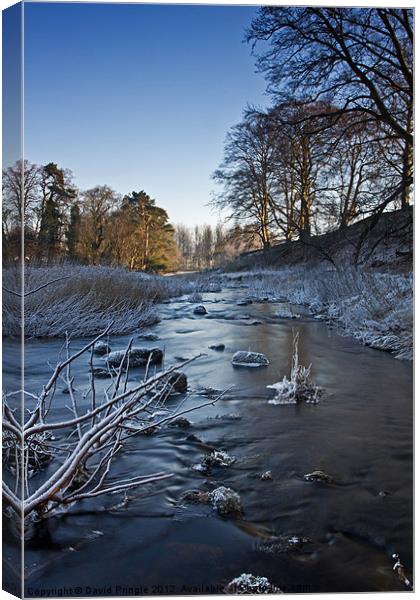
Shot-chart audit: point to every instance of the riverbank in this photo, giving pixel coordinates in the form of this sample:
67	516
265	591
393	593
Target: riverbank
84	300
374	308
358	279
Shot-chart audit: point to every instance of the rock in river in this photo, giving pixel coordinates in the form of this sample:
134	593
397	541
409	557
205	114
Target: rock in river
217	347
200	310
218	458
284	544
181	422
195	497
249	359
139	357
226	501
178	381
101	348
251	584
319	476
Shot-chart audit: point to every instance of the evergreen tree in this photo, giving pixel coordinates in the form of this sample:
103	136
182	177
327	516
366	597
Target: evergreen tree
73	231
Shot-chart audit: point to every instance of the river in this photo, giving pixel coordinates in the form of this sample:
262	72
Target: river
360	433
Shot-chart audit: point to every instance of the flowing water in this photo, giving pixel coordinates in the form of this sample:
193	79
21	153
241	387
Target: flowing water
360	434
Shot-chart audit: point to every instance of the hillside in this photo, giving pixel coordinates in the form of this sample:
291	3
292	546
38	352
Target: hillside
384	243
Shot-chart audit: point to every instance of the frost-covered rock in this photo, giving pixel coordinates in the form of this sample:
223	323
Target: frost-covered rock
319	476
292	391
200	310
249	359
100	348
138	357
226	502
218	458
251	584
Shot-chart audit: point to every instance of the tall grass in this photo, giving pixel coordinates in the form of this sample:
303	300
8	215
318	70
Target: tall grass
88	299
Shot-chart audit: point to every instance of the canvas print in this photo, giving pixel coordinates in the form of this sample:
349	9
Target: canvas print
207	233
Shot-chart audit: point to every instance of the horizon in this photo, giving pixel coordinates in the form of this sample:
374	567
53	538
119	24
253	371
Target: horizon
173	76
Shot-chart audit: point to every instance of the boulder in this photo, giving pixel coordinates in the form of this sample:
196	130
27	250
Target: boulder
226	502
101	348
249	359
319	476
217	347
218	458
178	382
251	584
139	357
200	310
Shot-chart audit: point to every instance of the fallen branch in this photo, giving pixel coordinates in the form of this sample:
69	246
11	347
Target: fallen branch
86	444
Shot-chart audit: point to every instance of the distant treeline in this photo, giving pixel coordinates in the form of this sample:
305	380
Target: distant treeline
101	227
96	226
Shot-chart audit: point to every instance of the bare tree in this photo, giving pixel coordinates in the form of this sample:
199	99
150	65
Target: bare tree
96	205
20	183
247	175
360	59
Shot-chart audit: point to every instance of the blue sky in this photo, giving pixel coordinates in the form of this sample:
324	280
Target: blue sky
138	96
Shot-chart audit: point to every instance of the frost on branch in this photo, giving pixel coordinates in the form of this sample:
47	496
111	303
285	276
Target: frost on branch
80	450
299	388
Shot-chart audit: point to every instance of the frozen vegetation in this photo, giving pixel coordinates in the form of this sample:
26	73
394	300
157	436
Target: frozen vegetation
84	300
375	308
299	388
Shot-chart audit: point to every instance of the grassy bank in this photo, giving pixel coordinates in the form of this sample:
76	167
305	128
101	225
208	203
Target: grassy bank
375	308
85	299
